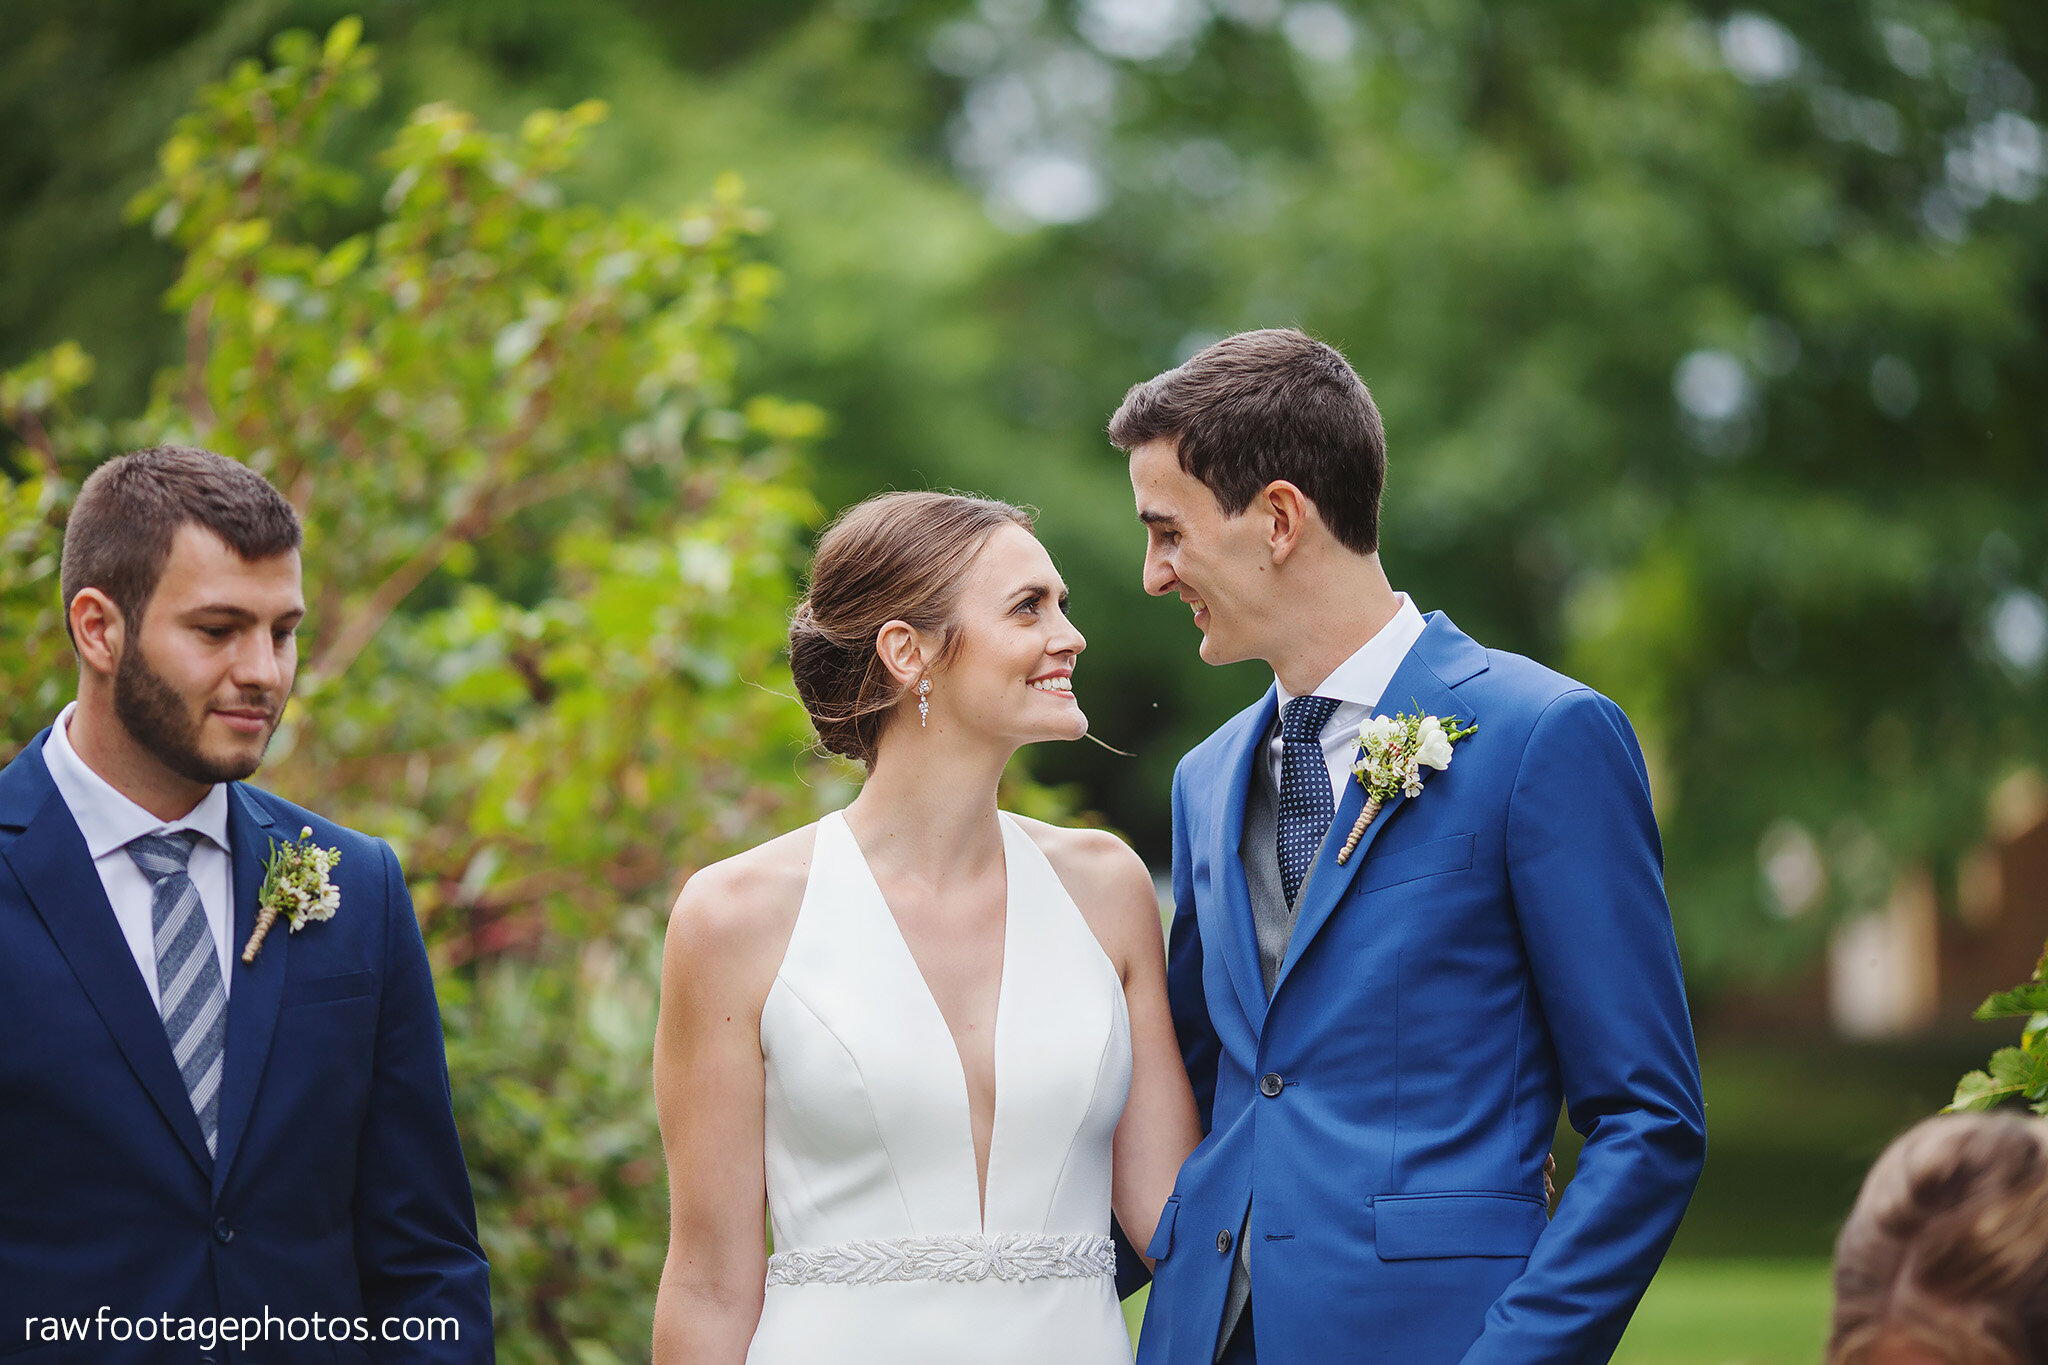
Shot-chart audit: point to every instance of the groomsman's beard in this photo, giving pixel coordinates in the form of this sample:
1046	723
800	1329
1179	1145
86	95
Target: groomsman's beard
162	721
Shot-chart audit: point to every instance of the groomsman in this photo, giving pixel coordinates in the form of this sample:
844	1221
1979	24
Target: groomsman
211	1149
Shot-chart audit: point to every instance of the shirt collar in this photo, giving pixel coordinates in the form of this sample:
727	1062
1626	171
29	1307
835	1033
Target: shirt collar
107	818
1363	677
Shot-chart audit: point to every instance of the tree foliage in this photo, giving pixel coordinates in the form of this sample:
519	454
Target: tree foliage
549	552
34	670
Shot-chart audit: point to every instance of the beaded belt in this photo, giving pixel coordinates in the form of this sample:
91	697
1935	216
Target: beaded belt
1004	1256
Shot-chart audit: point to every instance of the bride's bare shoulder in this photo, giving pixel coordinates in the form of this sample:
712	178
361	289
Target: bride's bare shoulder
1107	879
737	914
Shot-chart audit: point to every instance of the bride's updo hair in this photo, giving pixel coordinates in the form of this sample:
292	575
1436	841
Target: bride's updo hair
895	557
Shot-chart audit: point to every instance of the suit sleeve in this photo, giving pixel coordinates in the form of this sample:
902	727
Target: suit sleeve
417	1253
1585	868
1200	1048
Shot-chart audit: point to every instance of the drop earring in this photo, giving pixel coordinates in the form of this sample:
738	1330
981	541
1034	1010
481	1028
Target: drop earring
924	704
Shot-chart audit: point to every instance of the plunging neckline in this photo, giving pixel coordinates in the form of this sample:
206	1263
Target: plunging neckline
982	1174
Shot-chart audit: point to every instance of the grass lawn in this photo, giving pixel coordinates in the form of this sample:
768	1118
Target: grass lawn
1732	1313
1718	1312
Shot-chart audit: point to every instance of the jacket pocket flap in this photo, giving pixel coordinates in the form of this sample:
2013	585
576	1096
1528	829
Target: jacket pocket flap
1162	1236
1410	1227
1451	854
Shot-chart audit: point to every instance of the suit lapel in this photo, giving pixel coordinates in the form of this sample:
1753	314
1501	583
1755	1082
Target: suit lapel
55	868
1415	684
258	987
1230	923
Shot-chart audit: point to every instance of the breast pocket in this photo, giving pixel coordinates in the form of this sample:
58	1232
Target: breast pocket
320	989
1453	853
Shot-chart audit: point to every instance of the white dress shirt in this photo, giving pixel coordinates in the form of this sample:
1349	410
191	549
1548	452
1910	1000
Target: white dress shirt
1357	684
110	821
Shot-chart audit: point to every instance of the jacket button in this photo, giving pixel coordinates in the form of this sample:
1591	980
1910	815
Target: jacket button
1223	1240
222	1233
1269	1084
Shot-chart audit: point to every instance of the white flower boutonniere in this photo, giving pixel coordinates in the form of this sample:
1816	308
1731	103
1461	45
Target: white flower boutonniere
295	885
1392	752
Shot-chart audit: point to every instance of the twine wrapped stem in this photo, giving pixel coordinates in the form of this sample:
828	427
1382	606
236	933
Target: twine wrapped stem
265	917
1366	814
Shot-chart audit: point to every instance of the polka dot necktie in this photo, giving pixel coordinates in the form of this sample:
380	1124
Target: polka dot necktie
1306	802
193	1000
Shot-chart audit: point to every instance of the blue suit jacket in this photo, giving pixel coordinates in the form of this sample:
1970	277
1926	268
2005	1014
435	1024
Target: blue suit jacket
1496	945
339	1188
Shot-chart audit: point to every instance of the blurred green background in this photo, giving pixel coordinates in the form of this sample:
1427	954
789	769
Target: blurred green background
1710	342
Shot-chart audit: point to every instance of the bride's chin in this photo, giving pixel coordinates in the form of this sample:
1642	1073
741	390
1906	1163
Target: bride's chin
1075	727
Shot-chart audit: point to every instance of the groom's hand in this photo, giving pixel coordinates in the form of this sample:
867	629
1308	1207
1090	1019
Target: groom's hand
1550	1181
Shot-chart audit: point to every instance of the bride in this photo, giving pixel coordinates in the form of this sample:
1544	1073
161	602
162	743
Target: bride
931	1038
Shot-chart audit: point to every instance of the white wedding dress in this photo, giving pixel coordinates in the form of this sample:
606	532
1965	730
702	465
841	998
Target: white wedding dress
882	1256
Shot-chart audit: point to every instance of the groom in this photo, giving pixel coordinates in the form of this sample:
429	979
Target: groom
1380	1042
202	1158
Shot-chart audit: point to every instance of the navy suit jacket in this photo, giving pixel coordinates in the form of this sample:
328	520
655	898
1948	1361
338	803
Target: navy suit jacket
1495	946
339	1188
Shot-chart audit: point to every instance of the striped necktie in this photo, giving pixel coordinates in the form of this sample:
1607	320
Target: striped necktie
190	994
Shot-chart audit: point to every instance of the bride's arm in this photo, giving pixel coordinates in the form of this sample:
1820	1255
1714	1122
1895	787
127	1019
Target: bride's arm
708	1090
1159	1126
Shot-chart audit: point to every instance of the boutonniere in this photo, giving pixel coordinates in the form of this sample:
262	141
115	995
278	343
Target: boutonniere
295	885
1392	752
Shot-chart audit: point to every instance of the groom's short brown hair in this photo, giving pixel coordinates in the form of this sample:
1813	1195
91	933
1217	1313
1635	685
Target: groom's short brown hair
1268	405
118	536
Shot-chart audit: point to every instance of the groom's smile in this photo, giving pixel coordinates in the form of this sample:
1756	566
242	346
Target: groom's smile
1214	563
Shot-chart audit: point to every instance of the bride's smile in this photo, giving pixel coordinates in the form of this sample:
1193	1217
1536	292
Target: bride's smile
1006	672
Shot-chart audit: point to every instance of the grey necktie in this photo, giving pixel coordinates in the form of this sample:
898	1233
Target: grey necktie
190	994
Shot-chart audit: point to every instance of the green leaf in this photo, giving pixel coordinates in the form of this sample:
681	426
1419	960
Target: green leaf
2018	1002
341	262
342	40
2018	1070
1976	1091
